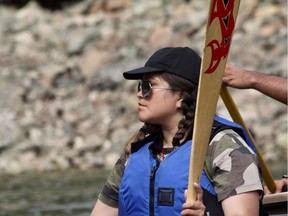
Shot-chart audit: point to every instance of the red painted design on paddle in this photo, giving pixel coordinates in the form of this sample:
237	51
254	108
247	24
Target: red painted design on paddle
222	10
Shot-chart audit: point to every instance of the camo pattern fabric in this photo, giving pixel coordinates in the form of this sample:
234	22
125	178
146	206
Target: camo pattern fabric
109	193
230	164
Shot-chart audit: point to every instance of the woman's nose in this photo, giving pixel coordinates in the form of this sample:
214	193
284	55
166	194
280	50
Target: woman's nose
139	94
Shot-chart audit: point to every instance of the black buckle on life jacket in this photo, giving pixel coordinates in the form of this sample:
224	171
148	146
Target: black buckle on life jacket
165	196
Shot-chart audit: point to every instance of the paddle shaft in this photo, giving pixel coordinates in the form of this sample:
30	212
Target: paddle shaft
220	26
236	116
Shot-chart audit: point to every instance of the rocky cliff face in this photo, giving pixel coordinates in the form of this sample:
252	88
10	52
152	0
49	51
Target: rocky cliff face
64	102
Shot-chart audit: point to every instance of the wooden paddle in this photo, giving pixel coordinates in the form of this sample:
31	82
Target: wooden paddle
219	29
236	116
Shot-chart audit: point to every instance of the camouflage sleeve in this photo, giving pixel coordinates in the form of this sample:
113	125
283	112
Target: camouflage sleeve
109	193
231	165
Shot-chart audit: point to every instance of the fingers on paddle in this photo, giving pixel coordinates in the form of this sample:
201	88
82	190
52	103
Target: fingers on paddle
199	192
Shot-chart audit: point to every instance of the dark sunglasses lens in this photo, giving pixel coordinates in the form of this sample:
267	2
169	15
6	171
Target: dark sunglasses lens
145	87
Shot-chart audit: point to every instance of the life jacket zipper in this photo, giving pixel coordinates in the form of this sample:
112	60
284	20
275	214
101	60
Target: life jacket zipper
152	187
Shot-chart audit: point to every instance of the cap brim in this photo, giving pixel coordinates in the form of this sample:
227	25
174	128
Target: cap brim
137	73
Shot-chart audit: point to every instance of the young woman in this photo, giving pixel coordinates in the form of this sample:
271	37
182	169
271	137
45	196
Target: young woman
150	178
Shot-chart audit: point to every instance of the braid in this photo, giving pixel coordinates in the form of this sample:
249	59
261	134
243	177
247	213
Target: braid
188	109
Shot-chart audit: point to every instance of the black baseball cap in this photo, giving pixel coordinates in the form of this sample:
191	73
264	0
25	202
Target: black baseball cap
181	61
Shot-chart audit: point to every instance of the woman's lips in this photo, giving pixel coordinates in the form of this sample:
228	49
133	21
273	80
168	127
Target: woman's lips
140	105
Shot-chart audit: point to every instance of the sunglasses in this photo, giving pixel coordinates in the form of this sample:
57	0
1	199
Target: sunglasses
145	87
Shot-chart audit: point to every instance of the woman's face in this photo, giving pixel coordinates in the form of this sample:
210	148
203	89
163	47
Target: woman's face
162	105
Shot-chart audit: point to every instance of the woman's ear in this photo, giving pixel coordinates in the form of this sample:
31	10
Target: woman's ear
179	102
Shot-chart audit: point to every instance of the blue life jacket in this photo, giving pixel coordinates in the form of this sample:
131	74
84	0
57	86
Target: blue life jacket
157	189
